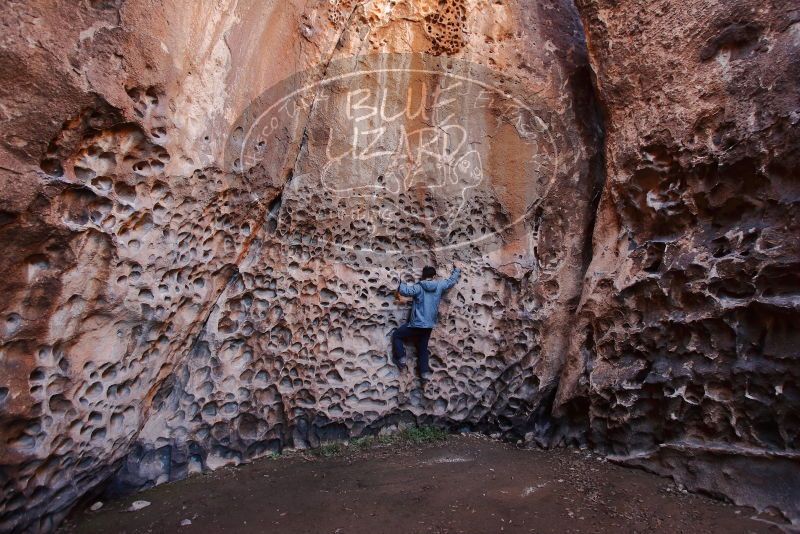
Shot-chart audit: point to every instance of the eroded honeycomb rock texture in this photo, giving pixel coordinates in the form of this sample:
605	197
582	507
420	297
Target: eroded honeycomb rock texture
181	294
685	354
296	349
206	206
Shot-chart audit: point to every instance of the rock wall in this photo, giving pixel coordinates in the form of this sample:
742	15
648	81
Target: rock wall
195	276
684	358
206	205
296	350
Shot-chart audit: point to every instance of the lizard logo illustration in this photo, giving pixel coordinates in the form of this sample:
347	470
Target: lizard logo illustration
387	143
435	160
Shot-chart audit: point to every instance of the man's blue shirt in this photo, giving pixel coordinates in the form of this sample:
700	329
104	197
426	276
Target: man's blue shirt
427	295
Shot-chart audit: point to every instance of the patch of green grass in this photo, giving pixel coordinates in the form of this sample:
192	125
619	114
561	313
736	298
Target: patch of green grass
328	450
388	439
424	434
362	443
409	436
414	435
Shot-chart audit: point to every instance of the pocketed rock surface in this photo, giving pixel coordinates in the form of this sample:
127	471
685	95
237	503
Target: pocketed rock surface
684	357
205	206
466	485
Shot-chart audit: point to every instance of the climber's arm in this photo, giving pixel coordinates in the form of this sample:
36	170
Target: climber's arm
408	290
451	281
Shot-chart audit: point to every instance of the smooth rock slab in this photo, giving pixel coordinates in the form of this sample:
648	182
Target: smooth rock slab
138	505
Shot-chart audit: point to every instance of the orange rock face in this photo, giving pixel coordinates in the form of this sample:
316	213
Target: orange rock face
205	209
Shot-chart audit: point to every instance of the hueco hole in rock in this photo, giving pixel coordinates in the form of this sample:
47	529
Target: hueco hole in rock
207	208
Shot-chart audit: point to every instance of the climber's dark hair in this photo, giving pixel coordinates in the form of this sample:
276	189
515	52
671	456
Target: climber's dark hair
428	272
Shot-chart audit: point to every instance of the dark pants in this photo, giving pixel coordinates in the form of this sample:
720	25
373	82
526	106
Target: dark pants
420	336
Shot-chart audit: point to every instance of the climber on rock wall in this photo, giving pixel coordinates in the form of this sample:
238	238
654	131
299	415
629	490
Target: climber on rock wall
427	293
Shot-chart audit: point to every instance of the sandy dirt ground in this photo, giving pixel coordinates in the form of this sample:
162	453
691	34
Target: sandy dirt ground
467	484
